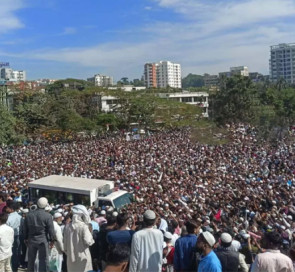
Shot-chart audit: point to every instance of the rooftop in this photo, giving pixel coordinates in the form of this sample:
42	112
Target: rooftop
63	182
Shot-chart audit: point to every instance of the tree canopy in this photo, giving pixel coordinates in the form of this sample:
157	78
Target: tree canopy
192	80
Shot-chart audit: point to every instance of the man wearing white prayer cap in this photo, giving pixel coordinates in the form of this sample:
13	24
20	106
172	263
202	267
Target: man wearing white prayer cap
230	260
77	240
209	261
38	229
150	242
58	249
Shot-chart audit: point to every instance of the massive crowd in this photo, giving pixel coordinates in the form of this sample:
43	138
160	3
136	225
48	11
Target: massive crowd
196	207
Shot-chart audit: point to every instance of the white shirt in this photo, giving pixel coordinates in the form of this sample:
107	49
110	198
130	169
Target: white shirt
146	251
174	238
6	241
272	261
59	238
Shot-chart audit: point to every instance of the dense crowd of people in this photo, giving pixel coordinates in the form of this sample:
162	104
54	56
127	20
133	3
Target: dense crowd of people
196	207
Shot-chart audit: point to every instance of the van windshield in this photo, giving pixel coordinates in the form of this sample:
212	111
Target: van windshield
122	201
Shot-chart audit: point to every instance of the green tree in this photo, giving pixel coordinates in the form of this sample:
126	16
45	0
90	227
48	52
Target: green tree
237	101
31	111
123	81
8	134
192	80
138	82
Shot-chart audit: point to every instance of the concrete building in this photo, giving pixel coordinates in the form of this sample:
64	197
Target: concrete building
101	80
200	99
168	75
162	74
109	103
12	75
128	88
240	70
150	75
282	62
211	80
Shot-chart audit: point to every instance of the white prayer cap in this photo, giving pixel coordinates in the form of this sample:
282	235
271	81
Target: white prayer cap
42	202
209	238
57	215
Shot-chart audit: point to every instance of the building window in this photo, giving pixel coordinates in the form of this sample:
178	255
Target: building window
187	99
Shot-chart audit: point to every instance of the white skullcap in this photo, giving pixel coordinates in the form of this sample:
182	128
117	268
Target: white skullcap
57	215
209	238
149	214
226	238
244	234
168	235
103	212
48	208
42	202
115	214
25	210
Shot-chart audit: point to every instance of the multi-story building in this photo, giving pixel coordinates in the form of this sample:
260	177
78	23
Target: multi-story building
168	74
12	75
150	75
240	70
282	62
200	99
211	80
101	80
162	74
128	88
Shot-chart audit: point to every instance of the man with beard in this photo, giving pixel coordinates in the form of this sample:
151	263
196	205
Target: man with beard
209	262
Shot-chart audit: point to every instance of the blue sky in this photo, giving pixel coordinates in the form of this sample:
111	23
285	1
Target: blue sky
62	38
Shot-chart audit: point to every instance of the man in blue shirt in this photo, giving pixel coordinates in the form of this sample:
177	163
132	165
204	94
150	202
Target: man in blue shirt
184	257
123	235
209	261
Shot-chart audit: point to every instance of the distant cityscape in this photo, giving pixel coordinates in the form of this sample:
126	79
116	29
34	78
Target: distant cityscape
165	74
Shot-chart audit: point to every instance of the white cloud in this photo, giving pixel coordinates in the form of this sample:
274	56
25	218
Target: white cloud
214	15
212	36
69	31
8	18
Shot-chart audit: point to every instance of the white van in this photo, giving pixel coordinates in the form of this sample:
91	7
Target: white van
63	190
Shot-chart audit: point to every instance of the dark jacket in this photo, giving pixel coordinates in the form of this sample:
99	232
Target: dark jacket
38	227
229	260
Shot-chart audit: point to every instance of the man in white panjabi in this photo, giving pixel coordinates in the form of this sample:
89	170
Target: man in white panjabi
147	246
56	257
77	240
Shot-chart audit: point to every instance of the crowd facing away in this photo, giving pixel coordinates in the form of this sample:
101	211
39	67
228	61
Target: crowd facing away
196	207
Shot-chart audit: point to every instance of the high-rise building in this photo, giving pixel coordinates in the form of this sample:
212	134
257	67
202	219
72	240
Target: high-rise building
162	74
150	75
168	74
12	75
101	80
282	62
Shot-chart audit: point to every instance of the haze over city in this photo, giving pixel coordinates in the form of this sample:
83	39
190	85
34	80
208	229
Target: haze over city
59	39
